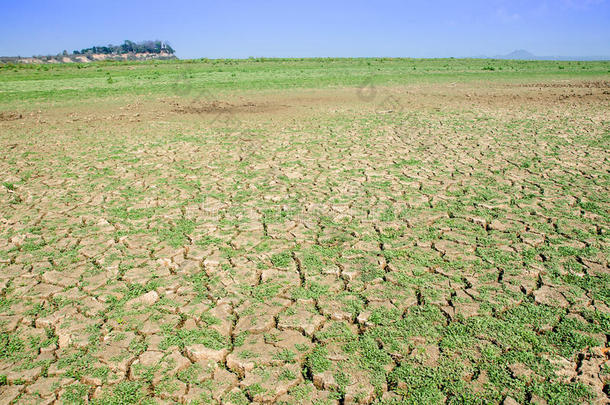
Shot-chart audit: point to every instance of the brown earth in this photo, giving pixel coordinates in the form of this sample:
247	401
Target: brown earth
179	243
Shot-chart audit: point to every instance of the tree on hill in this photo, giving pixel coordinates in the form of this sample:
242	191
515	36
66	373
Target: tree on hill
129	47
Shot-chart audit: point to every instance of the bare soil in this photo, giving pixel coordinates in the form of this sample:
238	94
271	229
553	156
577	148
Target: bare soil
428	243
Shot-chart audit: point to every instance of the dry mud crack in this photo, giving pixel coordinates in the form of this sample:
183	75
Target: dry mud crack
454	250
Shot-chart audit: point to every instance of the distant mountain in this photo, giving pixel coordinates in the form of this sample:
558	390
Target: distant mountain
522	54
518	54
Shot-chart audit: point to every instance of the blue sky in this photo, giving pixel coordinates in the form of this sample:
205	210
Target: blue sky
236	28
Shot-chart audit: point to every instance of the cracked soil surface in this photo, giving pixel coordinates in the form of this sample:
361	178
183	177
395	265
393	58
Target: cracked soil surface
434	243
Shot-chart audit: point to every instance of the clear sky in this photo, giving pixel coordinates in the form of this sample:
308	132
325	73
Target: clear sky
236	28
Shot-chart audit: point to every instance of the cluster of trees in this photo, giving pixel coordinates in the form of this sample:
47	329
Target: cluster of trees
129	47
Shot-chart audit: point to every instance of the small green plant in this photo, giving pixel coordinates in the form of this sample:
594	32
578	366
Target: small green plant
286	375
282	260
125	392
75	394
186	337
286	356
317	361
10	345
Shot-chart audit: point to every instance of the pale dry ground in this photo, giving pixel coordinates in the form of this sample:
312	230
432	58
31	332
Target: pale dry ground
335	246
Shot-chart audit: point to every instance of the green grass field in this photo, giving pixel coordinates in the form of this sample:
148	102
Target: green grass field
318	231
76	81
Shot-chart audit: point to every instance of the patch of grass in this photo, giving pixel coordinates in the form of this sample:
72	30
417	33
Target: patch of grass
265	291
317	361
10	345
237	398
176	235
125	392
287	375
287	356
281	260
311	290
75	394
186	337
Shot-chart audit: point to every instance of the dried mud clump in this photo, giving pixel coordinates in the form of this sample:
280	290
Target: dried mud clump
222	107
10	116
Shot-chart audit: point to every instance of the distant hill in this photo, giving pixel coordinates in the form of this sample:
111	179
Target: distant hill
129	50
158	47
518	54
522	54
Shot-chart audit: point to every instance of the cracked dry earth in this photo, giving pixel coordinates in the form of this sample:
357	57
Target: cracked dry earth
452	248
